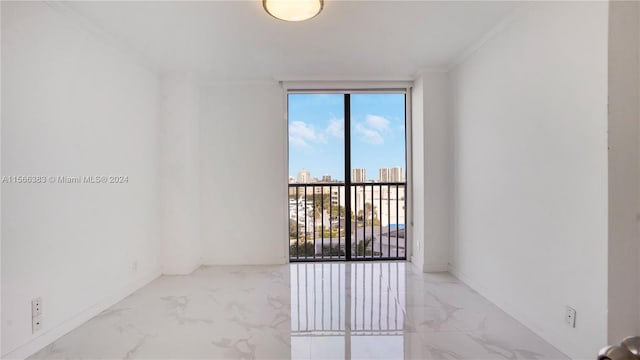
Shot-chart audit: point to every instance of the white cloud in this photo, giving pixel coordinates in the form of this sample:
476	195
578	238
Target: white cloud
377	122
302	134
368	135
372	129
335	128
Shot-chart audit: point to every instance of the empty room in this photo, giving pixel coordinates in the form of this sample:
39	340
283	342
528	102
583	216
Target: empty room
320	179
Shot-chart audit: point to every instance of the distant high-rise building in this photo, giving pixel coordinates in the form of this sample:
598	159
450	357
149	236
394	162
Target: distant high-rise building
396	174
359	175
304	176
383	175
326	178
291	179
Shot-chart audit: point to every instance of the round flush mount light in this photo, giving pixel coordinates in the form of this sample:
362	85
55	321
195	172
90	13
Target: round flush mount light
293	10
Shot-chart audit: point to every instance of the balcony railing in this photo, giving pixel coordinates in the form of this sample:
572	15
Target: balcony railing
318	221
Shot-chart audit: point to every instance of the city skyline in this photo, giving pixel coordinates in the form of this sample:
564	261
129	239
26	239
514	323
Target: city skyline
384	174
316	133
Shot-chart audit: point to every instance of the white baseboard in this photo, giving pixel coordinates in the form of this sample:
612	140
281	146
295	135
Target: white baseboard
508	307
428	268
435	268
55	333
266	262
181	270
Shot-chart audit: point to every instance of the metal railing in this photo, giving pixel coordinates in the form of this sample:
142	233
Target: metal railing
320	215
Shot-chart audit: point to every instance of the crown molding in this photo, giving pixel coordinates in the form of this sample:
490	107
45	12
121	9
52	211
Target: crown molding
341	85
237	82
334	78
431	70
65	9
465	54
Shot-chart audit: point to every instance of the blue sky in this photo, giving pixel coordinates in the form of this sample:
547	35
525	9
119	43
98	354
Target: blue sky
316	133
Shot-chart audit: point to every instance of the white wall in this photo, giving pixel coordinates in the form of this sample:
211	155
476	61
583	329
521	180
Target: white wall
76	106
623	171
243	176
418	166
179	197
438	195
530	129
432	171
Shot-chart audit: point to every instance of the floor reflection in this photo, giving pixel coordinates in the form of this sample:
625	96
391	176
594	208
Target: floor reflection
362	310
348	310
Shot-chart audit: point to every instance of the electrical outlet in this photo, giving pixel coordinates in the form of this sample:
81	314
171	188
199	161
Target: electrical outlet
36	324
36	307
570	317
134	266
36	314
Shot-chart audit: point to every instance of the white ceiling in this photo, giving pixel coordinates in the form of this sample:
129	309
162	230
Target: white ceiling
238	40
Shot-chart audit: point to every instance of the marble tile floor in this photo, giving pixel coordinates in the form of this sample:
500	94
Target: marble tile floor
364	310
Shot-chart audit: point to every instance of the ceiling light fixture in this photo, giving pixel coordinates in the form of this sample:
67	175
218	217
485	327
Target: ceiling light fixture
293	10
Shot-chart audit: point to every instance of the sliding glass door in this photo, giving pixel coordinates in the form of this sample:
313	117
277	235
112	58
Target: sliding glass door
347	183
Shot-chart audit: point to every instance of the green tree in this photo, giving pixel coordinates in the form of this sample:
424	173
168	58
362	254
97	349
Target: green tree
332	251
362	248
337	210
293	229
370	213
304	248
